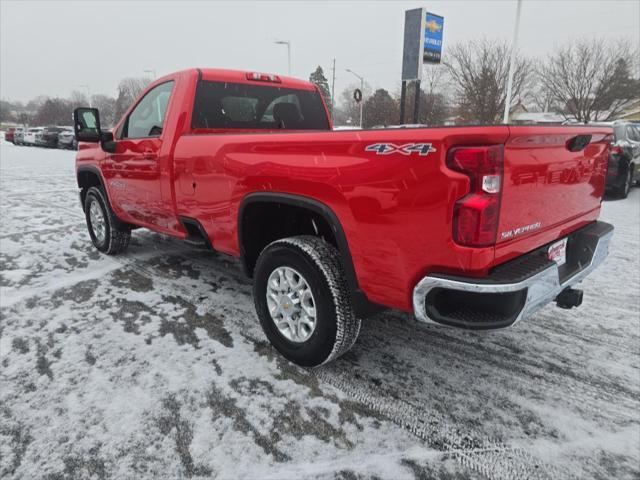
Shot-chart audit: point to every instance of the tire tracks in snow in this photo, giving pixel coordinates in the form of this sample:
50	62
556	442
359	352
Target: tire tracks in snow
502	360
490	458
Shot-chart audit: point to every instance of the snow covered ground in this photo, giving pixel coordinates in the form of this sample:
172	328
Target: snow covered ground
152	365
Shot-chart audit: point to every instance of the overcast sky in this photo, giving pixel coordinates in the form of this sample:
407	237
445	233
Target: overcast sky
51	47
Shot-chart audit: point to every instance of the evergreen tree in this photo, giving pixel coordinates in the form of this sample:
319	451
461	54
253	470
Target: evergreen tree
318	79
380	109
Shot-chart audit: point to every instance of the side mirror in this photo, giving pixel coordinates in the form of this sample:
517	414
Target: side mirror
86	124
107	142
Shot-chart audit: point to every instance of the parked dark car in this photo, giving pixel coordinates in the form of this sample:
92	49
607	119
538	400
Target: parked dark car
67	139
49	137
624	160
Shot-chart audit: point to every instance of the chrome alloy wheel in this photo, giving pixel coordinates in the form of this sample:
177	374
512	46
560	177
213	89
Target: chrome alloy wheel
98	223
291	304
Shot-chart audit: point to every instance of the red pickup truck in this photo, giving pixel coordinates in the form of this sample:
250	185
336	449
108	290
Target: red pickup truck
470	227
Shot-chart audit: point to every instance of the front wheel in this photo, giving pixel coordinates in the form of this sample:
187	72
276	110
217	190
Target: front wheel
108	234
303	301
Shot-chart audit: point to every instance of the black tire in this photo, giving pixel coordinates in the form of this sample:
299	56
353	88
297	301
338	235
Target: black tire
623	191
337	327
116	235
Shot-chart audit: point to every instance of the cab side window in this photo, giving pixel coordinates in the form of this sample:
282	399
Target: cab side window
147	118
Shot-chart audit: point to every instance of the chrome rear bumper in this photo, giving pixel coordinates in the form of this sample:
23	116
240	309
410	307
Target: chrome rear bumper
540	288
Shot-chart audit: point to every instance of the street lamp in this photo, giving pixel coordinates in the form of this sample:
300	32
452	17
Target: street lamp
85	85
152	72
288	44
514	45
361	90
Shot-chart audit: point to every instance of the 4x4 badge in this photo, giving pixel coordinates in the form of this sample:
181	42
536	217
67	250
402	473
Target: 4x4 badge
406	149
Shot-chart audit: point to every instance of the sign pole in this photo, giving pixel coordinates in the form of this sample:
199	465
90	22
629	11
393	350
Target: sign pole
423	33
512	61
403	97
416	102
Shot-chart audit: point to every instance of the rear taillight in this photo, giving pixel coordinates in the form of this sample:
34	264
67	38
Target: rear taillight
616	149
476	215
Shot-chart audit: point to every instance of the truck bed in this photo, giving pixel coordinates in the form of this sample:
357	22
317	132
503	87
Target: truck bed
397	208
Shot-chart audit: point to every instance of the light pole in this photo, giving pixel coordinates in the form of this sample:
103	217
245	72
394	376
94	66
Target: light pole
288	44
512	61
152	72
361	90
85	85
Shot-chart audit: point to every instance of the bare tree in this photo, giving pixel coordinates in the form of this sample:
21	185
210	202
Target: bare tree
478	70
78	99
54	111
434	79
107	107
128	90
590	79
6	111
544	101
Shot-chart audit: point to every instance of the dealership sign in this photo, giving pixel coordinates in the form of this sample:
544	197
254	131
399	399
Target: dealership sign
422	41
433	29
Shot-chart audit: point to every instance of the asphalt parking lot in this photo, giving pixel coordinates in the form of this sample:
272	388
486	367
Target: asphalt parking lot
152	365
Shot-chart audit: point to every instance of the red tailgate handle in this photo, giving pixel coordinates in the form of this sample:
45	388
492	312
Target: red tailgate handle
578	143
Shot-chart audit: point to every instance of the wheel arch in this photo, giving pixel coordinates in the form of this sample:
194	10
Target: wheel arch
89	176
360	301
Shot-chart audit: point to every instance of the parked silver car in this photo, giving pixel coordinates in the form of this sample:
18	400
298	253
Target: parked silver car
67	139
18	136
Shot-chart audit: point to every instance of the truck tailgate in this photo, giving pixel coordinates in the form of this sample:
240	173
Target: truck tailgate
553	184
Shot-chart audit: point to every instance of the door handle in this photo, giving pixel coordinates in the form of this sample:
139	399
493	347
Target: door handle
149	155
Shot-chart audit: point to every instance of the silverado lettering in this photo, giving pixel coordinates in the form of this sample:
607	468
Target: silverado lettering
248	164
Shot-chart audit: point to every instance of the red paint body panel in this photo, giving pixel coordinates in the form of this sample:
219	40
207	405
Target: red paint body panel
396	210
547	184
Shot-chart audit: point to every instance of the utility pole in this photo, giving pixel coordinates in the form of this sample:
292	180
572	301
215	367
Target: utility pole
288	44
514	45
333	87
361	89
403	98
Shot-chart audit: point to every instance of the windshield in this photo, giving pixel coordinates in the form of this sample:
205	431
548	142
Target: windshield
221	105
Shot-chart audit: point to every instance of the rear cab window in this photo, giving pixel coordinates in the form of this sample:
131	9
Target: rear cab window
227	106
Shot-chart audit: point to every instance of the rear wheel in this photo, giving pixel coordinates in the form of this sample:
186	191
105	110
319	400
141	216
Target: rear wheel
623	192
108	234
303	301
